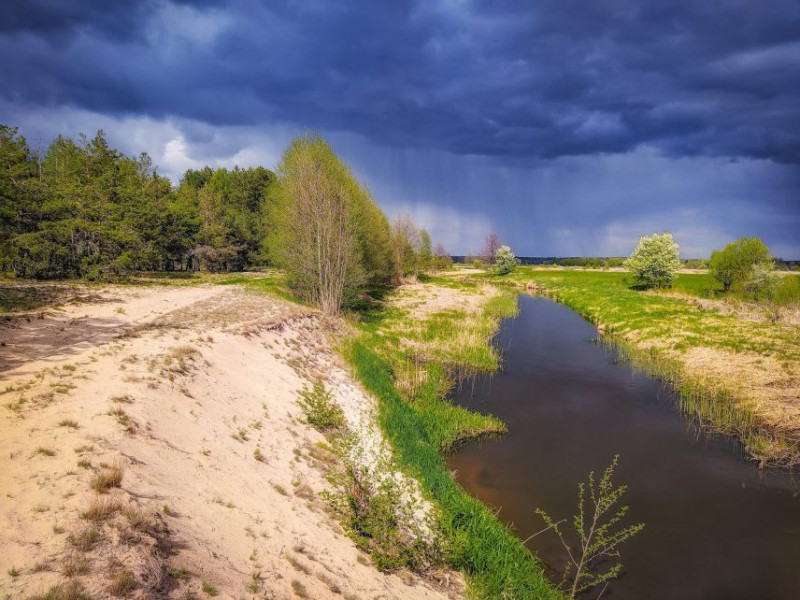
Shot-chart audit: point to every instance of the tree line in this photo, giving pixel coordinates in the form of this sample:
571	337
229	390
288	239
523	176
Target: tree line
81	209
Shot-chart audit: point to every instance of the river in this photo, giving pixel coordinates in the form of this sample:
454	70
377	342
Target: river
717	527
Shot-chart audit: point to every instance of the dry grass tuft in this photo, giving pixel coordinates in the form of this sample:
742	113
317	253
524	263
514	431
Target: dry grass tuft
126	399
122	584
101	508
110	477
140	520
299	589
70	590
74	564
85	539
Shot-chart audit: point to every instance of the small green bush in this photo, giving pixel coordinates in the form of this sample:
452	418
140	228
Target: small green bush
320	408
762	281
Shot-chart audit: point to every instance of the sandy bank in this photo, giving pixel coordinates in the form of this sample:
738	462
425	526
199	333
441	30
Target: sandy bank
191	392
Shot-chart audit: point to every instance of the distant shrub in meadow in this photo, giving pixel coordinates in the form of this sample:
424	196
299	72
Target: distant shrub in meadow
655	260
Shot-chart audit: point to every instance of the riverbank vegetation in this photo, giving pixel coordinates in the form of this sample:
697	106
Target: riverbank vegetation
408	352
735	364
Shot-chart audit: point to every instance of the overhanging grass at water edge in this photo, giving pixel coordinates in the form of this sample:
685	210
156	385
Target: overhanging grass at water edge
497	564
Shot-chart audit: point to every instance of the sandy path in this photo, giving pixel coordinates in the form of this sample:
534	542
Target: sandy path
222	480
73	329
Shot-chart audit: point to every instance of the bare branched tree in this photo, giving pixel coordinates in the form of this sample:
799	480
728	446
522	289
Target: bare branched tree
490	247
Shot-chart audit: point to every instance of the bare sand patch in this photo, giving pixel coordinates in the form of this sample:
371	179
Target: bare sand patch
72	328
425	299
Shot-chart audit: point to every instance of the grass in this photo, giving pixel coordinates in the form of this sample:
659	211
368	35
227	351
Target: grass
101	508
299	589
122	584
110	477
44	451
410	364
71	590
70	423
23	298
208	589
659	331
255	582
85	539
273	284
74	564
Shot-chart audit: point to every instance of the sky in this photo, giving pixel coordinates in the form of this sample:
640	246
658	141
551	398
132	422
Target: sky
568	127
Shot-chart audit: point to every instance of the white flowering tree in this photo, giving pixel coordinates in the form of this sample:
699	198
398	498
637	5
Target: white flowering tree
504	261
654	261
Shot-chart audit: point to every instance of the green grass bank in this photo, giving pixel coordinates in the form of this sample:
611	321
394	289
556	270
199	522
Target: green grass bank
409	359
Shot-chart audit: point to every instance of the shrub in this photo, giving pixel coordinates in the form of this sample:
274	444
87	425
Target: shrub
381	512
599	534
655	260
732	266
504	261
320	409
761	281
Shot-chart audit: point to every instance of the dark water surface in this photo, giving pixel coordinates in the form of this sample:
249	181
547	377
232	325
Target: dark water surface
716	527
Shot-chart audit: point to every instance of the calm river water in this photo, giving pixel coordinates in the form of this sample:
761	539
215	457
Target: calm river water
716	527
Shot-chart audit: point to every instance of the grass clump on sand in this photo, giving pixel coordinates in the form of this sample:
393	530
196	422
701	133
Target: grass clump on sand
70	590
110	477
122	583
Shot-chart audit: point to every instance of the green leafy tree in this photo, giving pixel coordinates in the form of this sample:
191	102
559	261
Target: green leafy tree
733	265
374	237
315	237
655	260
405	240
504	261
425	251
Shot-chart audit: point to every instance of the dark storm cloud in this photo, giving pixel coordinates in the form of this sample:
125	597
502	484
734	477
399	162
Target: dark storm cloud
569	126
512	79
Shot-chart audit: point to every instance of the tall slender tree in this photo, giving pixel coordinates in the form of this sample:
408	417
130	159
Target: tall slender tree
315	238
